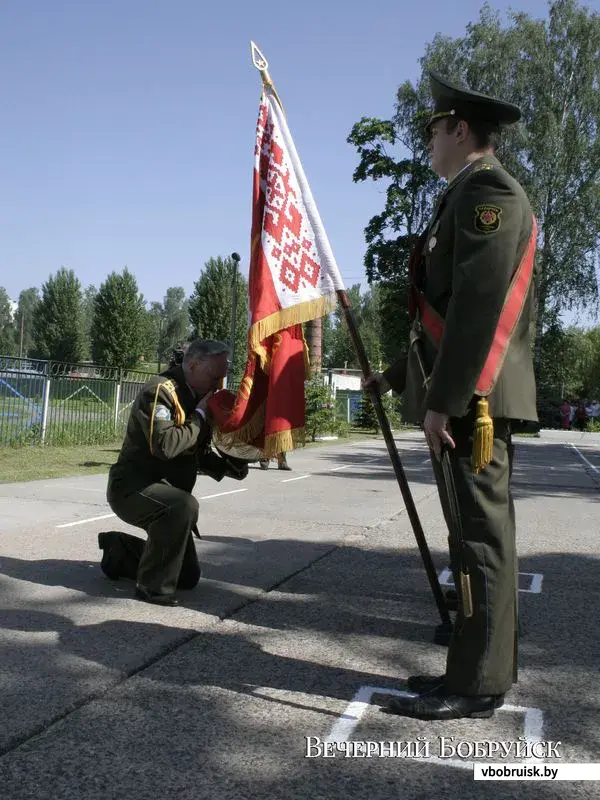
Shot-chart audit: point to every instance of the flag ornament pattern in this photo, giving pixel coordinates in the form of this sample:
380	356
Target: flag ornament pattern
293	273
293	278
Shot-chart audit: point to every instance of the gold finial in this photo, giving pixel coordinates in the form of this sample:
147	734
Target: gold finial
262	65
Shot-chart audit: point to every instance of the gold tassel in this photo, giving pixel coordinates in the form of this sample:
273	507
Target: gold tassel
483	438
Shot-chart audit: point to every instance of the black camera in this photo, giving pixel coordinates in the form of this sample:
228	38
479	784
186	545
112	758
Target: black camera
176	359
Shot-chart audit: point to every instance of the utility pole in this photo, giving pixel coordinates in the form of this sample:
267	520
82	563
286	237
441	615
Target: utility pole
21	336
159	345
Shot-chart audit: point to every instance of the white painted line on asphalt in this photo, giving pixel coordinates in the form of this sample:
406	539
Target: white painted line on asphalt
221	494
83	521
583	458
536	582
344	727
108	516
72	488
299	478
535	587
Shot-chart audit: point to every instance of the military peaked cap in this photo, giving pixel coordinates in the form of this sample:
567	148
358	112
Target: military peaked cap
451	100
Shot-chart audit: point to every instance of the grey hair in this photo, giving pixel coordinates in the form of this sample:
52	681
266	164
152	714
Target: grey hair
199	349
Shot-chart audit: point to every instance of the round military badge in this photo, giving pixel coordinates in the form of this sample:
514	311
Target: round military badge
432	243
487	218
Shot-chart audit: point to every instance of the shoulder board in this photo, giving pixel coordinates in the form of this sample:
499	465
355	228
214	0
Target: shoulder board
479	167
169	386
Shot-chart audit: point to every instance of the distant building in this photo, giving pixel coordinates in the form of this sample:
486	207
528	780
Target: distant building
346	390
13	308
345	379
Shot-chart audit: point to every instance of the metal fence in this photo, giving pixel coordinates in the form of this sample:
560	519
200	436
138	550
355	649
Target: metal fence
62	404
347	403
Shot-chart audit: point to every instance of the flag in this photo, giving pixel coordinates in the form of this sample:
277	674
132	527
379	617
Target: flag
293	278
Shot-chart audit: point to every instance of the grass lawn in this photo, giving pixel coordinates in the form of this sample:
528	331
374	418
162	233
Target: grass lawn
30	463
34	462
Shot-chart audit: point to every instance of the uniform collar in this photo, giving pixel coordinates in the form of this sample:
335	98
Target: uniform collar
177	374
487	159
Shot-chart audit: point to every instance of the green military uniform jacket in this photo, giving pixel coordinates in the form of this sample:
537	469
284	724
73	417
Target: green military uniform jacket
476	238
165	437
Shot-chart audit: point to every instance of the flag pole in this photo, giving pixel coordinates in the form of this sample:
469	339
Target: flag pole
443	631
409	502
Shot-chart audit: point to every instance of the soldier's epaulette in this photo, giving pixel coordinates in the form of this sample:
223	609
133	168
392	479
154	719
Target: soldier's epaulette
479	167
179	416
171	389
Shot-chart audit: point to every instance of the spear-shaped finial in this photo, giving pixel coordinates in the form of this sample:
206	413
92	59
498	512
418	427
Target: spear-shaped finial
262	65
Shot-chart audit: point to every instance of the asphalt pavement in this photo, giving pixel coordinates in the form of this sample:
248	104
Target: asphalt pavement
313	603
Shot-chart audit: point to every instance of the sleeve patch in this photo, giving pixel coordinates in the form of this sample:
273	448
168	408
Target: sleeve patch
162	412
487	218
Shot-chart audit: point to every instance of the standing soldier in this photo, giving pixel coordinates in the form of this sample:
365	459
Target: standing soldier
166	444
467	376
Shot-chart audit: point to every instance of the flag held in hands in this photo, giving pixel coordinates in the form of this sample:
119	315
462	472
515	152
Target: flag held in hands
293	278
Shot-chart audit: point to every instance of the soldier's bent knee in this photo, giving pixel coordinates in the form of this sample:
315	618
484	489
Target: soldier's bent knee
189	505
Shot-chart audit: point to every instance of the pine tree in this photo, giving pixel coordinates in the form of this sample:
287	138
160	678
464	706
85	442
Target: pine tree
24	320
7	327
118	326
210	308
366	417
89	296
58	319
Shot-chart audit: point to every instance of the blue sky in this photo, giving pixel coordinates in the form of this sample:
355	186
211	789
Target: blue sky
128	126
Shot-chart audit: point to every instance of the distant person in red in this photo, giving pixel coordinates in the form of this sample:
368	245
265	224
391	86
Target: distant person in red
565	414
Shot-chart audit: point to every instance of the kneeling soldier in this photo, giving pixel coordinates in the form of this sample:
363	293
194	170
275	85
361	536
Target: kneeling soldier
166	444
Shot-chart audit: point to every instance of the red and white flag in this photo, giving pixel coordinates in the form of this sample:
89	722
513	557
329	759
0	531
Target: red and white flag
293	279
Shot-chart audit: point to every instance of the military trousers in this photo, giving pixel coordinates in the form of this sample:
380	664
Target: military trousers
168	559
482	655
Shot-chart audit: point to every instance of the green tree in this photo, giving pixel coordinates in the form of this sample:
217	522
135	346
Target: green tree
328	340
342	351
24	320
118	327
154	320
177	321
87	307
210	308
365	310
319	408
366	418
166	326
7	327
590	367
58	319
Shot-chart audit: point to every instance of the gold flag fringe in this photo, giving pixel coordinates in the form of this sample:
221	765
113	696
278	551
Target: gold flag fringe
282	441
285	318
247	432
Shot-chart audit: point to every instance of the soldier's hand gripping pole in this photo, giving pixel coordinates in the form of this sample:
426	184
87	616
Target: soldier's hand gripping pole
384	424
